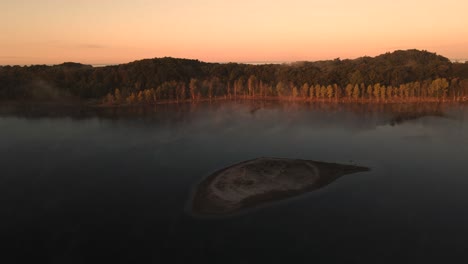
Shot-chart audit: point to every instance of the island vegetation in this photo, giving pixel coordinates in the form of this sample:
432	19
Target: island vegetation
400	76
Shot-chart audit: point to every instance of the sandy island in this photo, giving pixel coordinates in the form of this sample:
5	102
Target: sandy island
255	182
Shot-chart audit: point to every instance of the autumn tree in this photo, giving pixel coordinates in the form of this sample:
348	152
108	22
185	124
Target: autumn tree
180	92
252	84
369	91
295	91
140	97
401	91
229	90
330	92
356	92
305	90
239	87
311	92
417	89
193	86
261	89
268	90
323	91
281	89
117	96
349	90
382	92
377	91
439	87
148	97
389	92
131	99
317	91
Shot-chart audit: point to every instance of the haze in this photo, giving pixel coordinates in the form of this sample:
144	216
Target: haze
117	31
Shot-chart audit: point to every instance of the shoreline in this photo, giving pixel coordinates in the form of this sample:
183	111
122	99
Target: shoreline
290	99
94	104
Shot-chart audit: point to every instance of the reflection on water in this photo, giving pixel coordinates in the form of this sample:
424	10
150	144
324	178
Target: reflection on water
395	113
106	185
416	111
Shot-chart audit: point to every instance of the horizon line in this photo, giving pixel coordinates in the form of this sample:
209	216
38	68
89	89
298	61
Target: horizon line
97	65
253	62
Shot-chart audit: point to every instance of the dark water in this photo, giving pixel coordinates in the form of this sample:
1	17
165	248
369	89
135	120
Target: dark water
112	186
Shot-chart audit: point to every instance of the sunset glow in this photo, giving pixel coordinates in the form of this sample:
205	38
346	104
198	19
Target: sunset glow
117	31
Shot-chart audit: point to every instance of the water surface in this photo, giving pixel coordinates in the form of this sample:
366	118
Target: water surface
112	185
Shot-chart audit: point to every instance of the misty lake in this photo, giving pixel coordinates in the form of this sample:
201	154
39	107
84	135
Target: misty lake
112	185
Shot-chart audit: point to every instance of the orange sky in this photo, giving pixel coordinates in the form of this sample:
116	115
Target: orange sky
117	31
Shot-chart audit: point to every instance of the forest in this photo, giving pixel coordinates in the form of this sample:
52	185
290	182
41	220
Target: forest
410	75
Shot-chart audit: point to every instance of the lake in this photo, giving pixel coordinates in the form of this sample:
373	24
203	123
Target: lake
113	185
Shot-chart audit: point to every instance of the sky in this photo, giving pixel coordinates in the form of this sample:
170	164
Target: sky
118	31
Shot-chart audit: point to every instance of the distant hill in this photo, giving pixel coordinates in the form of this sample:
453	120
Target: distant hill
73	65
84	81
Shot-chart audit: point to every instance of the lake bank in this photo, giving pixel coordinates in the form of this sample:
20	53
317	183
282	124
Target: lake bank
93	103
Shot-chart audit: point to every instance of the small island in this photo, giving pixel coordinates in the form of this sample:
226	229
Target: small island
259	181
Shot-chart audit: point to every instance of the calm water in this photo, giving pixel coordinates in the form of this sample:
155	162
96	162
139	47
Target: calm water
113	186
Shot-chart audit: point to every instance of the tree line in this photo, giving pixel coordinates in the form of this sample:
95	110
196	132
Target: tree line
439	89
391	76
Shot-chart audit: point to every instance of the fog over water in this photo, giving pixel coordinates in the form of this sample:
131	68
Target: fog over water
113	184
